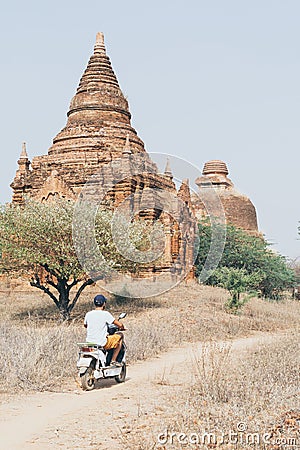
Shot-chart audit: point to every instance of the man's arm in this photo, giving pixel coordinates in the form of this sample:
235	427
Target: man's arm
119	324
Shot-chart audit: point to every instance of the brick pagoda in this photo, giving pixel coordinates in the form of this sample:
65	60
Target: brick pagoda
97	133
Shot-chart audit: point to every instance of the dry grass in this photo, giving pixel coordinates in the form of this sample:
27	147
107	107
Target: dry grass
259	392
40	353
35	357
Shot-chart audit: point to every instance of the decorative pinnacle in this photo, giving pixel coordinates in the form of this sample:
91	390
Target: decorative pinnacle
23	152
99	45
127	150
215	167
168	171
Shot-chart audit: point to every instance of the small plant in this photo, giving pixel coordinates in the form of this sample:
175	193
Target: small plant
237	282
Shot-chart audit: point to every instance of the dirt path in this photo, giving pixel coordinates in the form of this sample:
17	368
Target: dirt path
77	419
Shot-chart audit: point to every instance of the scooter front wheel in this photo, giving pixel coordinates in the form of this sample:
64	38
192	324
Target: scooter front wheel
88	380
121	378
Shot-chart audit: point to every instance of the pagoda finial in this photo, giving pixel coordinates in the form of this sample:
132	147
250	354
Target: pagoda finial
168	171
23	161
127	149
23	152
99	45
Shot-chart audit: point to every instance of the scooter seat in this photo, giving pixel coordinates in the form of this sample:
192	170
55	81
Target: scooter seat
90	344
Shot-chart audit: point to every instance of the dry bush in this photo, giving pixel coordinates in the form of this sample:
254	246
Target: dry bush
259	389
35	357
209	366
40	353
268	315
147	339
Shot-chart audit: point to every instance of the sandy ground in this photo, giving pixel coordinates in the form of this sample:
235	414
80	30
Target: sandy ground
96	419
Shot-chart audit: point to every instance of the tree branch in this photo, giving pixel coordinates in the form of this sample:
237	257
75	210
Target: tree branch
51	271
49	281
89	282
74	282
35	282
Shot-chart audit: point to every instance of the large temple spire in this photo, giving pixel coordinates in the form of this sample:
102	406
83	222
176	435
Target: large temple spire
99	116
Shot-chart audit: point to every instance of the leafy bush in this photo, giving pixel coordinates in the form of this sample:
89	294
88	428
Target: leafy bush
247	264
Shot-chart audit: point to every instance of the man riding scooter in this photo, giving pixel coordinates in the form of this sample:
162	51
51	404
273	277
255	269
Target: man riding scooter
96	322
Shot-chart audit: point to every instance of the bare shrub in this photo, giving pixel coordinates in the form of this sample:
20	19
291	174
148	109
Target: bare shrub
210	364
146	339
39	353
34	357
258	389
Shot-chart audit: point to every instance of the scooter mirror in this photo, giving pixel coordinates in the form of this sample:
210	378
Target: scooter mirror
122	315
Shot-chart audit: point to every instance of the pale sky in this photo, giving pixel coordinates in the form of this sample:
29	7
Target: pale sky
204	79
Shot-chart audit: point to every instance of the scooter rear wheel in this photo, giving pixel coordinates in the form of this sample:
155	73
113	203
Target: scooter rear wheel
122	377
88	380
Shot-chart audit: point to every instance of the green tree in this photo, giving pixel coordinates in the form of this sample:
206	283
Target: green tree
36	241
251	254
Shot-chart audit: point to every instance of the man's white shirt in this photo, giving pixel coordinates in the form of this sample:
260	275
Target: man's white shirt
97	321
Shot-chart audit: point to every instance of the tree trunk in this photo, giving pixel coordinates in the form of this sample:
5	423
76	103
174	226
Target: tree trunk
88	282
63	299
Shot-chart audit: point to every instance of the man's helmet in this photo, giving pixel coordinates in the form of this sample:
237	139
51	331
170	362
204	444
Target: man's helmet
99	300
